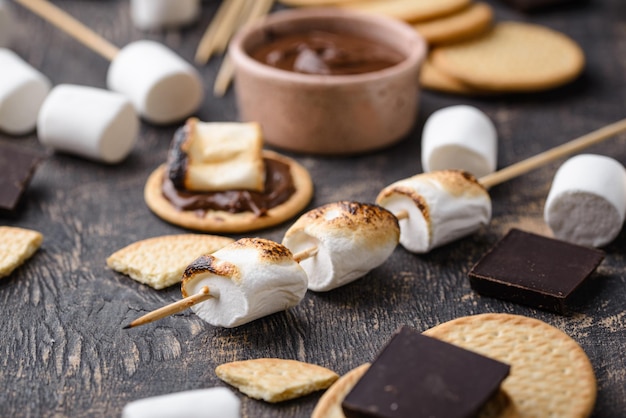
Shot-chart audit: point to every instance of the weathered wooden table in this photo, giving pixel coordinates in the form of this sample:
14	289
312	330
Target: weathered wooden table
63	351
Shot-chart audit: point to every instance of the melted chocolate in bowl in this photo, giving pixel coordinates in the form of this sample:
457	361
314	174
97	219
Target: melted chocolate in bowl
328	81
325	52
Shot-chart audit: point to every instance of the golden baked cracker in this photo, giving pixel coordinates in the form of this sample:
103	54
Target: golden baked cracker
409	10
464	24
431	78
16	246
551	376
329	405
159	262
275	380
314	3
513	57
218	221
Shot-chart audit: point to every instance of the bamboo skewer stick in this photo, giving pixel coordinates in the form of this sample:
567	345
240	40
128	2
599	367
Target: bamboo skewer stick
172	308
227	69
72	27
553	154
206	47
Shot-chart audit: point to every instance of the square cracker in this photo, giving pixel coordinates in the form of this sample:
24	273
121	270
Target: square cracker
160	262
275	380
16	246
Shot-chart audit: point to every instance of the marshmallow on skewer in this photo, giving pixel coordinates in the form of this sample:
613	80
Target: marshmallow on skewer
157	14
462	138
6	24
586	204
217	402
441	205
94	123
22	91
349	238
248	279
161	86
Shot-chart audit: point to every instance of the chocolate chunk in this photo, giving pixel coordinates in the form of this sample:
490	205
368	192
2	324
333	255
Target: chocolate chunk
420	376
17	167
534	270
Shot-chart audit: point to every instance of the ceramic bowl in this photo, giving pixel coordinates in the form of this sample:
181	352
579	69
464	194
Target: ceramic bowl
329	114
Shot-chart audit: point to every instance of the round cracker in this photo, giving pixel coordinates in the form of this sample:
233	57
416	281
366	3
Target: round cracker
464	24
513	57
410	10
329	405
432	78
551	376
218	221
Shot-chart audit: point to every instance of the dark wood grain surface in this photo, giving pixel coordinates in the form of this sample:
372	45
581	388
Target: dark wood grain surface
63	351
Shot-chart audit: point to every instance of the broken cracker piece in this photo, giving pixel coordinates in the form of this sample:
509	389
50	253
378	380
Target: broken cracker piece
159	262
16	246
275	380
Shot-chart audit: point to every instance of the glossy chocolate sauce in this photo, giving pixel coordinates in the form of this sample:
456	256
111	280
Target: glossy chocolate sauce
278	189
326	53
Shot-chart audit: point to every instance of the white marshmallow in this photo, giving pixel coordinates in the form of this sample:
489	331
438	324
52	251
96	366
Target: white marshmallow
162	87
586	204
462	138
250	278
351	239
90	122
22	91
6	24
218	402
157	14
442	206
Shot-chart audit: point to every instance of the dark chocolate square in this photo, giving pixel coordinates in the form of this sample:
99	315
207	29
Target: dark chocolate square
534	270
419	376
17	167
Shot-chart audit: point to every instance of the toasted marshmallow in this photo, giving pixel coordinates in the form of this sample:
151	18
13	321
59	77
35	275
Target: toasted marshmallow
217	156
94	123
250	278
442	206
22	92
351	239
586	204
162	86
217	402
6	25
461	138
158	14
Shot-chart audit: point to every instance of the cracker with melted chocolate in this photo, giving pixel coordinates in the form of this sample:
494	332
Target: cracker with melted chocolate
287	190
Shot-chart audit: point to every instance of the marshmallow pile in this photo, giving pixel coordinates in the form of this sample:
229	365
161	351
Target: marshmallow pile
145	80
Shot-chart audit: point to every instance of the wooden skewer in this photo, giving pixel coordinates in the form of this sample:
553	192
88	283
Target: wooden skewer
220	30
226	71
172	308
71	26
552	154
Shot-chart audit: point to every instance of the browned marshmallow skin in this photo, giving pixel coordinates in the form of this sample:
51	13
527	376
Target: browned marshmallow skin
325	53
